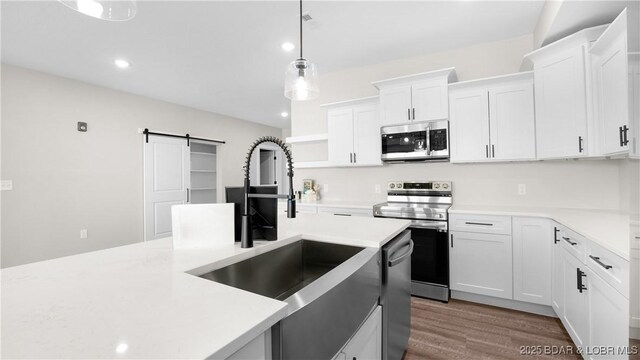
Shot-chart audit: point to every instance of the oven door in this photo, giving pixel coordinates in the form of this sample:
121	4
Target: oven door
430	259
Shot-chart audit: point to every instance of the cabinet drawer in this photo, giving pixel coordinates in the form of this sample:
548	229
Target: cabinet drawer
612	268
488	224
575	243
340	211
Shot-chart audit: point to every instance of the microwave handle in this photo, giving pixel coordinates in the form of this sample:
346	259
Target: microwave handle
428	140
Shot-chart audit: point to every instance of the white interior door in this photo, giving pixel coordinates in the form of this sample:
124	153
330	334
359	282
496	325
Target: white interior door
166	182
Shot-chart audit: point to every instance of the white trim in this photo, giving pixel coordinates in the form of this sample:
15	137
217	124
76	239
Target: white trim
504	303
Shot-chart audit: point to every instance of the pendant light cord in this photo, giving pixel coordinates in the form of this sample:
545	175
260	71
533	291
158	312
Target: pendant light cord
301	30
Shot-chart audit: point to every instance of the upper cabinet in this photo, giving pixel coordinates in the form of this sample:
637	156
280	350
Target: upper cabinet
611	88
354	133
419	97
634	104
493	119
561	95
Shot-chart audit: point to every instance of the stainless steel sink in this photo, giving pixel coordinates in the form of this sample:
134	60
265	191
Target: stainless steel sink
284	271
330	289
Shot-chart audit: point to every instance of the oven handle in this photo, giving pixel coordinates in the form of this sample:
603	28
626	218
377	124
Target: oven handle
403	257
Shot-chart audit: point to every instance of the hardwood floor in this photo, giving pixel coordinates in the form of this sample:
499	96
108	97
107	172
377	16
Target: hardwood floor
465	330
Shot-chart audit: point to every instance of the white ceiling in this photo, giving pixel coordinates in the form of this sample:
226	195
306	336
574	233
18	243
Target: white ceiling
225	57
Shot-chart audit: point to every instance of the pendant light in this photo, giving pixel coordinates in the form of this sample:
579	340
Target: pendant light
111	10
301	79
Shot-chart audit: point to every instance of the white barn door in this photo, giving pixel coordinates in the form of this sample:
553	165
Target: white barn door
166	182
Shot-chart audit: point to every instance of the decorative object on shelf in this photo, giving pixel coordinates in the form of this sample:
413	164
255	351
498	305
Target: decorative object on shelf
301	78
307	186
315	192
110	10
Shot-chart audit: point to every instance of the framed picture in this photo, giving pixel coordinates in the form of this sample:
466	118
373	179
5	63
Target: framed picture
307	185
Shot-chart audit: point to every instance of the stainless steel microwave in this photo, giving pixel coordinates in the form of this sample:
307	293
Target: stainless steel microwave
420	141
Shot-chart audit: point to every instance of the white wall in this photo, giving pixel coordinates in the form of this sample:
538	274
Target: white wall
549	183
65	180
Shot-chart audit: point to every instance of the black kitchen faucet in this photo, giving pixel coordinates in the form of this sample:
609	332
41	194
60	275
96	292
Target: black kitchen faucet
246	237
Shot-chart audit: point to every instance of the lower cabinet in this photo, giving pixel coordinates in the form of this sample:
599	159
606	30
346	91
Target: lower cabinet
366	343
608	318
532	260
574	317
257	349
557	272
341	211
480	263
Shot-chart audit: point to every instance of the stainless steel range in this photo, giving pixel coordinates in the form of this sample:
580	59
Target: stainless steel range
426	204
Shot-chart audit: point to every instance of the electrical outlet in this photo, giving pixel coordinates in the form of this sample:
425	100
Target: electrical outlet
522	189
83	233
377	188
325	188
6	185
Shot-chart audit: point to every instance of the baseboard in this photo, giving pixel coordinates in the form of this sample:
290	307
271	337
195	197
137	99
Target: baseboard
504	303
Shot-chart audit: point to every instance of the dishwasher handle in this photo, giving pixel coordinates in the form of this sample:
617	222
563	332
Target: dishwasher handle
403	257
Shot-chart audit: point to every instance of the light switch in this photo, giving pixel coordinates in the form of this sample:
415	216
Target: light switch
83	233
325	188
6	185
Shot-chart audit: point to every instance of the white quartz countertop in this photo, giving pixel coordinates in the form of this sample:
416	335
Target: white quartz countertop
339	204
608	228
139	301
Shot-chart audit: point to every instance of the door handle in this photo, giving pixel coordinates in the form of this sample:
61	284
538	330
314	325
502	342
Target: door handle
580	148
408	114
486	150
188	195
413	110
355	158
599	262
579	275
620	132
338	214
555	235
493	151
625	130
351	158
477	223
452	240
403	257
569	241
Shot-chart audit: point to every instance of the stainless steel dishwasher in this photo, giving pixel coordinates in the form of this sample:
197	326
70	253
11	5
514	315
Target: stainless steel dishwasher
396	296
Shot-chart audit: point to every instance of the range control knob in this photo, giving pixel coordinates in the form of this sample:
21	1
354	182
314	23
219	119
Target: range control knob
392	185
436	186
399	185
445	186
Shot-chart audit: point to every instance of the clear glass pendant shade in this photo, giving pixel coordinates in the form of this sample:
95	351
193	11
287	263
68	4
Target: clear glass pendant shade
301	81
111	10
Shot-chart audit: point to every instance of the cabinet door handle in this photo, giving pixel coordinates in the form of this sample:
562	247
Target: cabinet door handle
355	158
413	110
493	151
408	114
452	240
625	130
599	262
621	135
486	150
569	241
555	235
338	214
478	223
351	158
188	195
579	275
580	148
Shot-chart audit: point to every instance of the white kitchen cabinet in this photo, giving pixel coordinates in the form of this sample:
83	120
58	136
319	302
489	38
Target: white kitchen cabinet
562	95
480	263
557	272
532	245
608	319
354	133
634	104
343	211
611	89
575	316
366	343
493	119
257	349
418	97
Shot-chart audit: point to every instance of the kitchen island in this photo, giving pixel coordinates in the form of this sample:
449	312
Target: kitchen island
142	301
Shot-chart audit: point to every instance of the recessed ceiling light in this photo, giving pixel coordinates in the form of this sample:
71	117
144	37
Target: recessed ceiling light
121	63
287	46
284	114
